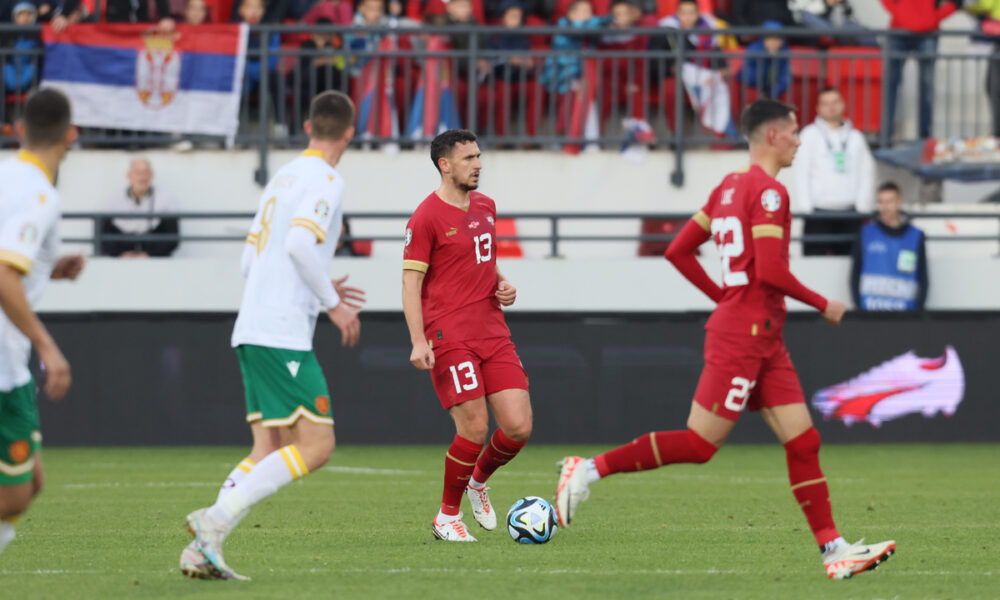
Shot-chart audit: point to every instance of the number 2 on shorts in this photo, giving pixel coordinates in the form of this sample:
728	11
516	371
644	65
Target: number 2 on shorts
469	373
737	397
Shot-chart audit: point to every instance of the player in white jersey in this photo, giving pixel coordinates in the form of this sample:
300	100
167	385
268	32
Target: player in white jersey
289	248
29	247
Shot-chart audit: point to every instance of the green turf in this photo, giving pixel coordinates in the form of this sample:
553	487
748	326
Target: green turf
110	524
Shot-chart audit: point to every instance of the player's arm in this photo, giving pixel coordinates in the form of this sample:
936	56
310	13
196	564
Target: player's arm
422	356
772	269
506	292
300	243
15	305
681	253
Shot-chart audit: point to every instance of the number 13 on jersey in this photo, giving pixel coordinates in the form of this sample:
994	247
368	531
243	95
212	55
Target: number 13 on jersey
484	247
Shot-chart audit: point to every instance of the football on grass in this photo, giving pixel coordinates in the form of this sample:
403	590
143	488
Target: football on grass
531	520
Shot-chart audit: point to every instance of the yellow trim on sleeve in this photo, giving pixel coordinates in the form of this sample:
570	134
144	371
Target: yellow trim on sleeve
19	261
773	231
702	219
32	158
298	459
415	265
311	226
252	239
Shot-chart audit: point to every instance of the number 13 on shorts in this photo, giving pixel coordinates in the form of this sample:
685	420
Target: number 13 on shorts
738	395
464	376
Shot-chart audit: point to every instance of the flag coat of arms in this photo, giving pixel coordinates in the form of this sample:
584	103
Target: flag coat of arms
129	76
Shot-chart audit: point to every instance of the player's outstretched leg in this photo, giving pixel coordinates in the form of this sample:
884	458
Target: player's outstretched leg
650	451
459	462
512	409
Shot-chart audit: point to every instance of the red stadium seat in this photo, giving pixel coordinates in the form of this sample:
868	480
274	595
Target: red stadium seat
857	73
508	248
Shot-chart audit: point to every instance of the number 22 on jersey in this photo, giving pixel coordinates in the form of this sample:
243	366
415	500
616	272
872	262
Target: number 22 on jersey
728	235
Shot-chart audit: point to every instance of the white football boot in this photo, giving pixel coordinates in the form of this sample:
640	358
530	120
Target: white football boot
482	510
452	531
847	561
572	489
194	565
209	537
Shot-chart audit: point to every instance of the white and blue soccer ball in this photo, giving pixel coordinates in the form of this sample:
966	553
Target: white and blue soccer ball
531	520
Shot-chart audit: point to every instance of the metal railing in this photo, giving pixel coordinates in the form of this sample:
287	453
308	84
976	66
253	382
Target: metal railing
525	108
554	238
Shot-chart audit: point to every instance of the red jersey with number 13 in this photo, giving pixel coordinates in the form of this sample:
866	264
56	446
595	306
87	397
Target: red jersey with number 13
747	205
456	250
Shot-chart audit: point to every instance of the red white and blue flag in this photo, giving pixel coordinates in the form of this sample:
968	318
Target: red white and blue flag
434	110
129	76
377	116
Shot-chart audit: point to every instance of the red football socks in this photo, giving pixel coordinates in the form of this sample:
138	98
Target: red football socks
458	464
809	485
499	451
655	450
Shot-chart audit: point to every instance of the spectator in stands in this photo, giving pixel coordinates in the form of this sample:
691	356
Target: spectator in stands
323	71
59	13
195	12
459	12
834	171
540	9
134	11
767	67
989	11
20	68
889	271
832	15
513	77
753	13
704	78
915	21
371	13
338	12
252	12
141	199
624	79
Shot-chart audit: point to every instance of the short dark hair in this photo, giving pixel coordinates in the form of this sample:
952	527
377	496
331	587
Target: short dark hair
46	118
445	142
331	114
889	186
829	90
761	111
679	2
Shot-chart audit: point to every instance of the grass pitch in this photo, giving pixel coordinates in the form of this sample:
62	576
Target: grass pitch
110	525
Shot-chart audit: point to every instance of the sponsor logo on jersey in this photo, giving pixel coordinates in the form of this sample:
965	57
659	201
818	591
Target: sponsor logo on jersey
408	237
293	367
20	451
322	209
322	405
451	232
770	200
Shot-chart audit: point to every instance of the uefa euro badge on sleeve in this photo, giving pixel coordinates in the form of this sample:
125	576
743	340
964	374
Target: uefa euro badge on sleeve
840	161
770	200
906	262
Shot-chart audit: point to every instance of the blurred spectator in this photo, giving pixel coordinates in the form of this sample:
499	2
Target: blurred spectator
989	11
59	13
889	271
251	12
832	15
195	12
134	11
704	78
20	69
562	72
914	20
421	10
834	171
766	66
459	12
142	199
540	9
338	12
624	79
371	13
323	71
513	77
751	13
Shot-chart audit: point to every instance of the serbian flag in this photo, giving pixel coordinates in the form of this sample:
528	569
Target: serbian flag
583	121
129	76
377	117
434	110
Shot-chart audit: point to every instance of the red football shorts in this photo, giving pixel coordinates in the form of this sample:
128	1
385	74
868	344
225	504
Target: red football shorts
467	370
746	373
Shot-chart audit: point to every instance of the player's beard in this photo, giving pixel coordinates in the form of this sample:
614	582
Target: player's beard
468	185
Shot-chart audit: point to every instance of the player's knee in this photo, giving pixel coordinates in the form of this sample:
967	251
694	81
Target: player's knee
519	432
702	449
805	444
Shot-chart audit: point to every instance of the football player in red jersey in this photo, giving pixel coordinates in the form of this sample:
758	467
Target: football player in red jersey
452	294
746	364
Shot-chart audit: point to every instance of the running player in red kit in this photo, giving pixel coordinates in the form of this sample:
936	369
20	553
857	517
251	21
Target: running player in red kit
746	363
452	293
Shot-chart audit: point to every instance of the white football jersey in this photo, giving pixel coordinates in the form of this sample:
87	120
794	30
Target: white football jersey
29	242
279	309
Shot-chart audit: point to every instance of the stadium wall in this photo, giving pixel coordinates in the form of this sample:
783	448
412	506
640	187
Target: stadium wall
162	379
